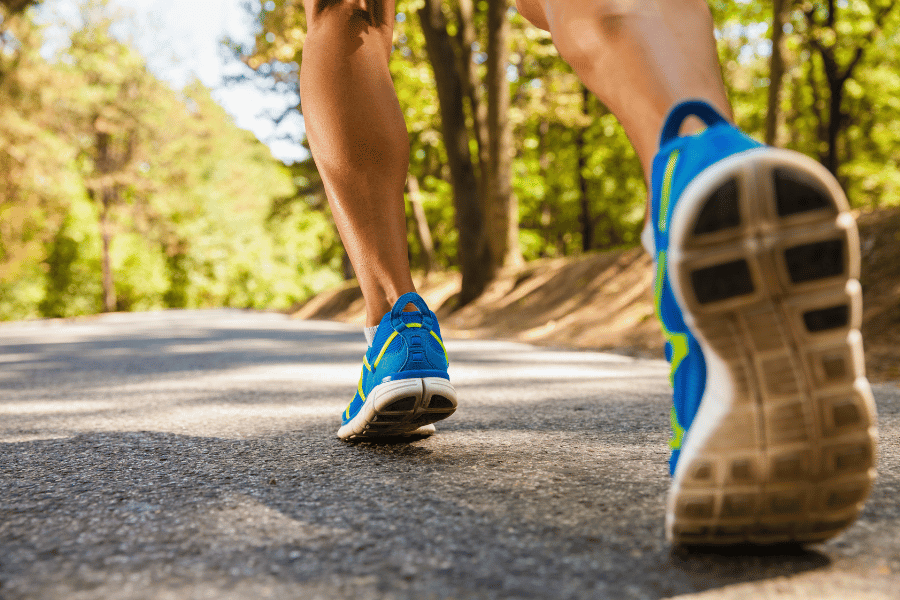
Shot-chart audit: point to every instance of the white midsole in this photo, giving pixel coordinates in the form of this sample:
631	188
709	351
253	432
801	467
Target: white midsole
382	395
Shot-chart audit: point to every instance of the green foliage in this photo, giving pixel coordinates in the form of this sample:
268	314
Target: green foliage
199	214
870	115
72	264
186	195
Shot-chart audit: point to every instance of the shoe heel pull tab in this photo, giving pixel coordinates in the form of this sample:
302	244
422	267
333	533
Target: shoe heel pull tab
688	108
416	300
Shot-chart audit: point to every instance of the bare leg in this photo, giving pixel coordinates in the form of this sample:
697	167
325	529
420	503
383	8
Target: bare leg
640	57
359	141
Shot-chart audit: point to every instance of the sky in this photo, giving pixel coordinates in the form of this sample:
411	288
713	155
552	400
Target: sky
181	40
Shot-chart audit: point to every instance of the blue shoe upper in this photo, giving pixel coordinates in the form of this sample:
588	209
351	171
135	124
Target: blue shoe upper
679	161
406	345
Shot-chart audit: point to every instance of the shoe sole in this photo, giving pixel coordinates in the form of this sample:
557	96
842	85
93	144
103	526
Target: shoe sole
404	407
764	256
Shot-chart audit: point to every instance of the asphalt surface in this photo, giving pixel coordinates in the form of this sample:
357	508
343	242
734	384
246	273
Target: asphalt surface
193	455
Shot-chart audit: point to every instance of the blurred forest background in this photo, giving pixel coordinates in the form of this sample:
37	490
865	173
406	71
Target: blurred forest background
118	192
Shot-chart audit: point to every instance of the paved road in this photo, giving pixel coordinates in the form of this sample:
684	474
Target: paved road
192	455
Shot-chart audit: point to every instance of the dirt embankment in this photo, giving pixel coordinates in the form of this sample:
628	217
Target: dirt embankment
605	301
879	234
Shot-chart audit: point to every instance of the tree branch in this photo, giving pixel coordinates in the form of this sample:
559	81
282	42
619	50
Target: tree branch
810	15
848	70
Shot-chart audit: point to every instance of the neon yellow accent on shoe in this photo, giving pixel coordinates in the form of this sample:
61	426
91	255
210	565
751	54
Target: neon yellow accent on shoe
677	432
384	349
366	363
678	341
438	338
666	190
413	324
359	388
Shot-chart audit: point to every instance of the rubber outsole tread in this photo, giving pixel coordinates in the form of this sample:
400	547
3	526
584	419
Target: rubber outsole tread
721	211
833	317
789	456
401	408
795	193
722	281
438	401
818	260
403	405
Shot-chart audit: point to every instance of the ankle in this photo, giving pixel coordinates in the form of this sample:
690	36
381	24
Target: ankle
382	304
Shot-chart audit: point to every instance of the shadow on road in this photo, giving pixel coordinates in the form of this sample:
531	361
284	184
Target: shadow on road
101	511
727	566
114	357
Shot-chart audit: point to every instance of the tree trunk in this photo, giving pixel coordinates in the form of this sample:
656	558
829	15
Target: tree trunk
837	76
103	167
587	221
473	252
834	125
423	233
109	288
466	38
818	104
546	216
830	129
776	69
346	266
502	205
16	6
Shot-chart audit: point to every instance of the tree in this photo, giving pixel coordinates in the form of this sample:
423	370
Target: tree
841	45
780	12
500	205
476	263
114	106
12	7
466	39
843	118
105	170
423	233
587	221
35	164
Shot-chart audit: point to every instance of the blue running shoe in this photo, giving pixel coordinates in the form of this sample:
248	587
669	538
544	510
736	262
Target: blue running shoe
404	386
757	267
